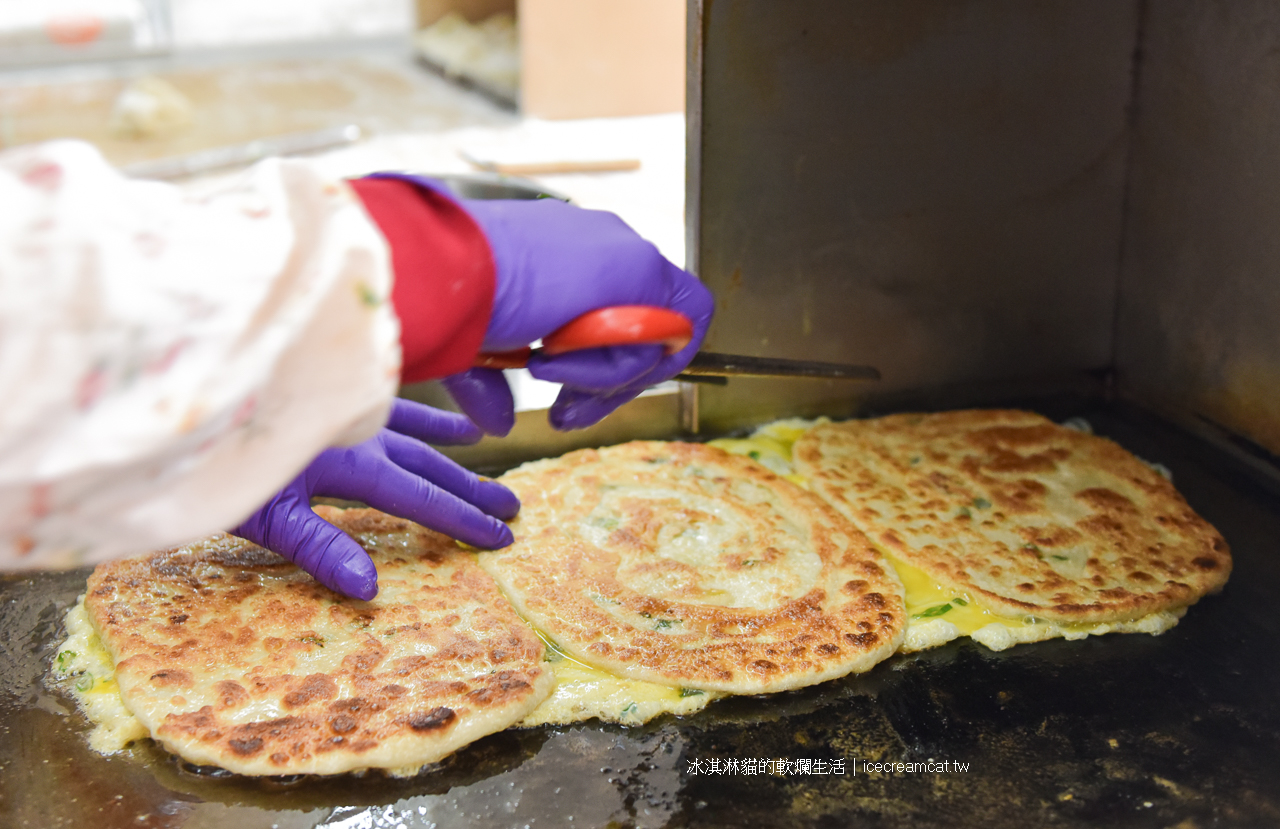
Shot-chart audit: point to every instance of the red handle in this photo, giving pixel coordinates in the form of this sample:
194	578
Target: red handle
619	325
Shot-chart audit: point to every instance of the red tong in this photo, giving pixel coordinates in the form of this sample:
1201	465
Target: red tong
643	324
619	325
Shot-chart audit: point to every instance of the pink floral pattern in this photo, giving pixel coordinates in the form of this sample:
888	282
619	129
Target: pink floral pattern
168	362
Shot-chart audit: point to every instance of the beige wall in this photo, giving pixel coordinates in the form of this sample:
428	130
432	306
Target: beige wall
587	58
429	11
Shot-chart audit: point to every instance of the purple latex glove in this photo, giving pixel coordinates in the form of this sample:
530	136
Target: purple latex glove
555	262
396	472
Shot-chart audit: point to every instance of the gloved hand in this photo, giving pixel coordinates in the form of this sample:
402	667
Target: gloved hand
396	473
554	263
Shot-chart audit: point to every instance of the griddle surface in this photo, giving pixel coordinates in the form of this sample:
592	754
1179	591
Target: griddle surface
1123	730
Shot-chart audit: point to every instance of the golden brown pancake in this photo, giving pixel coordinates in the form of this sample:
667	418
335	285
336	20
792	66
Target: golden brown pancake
686	566
231	656
1023	515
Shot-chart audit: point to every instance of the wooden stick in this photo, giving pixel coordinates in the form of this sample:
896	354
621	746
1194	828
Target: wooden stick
547	168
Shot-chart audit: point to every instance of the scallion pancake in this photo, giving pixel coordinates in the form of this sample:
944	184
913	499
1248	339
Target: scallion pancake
1028	518
231	656
683	565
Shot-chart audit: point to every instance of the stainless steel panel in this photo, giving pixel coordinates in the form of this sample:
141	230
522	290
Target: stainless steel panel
1199	306
931	187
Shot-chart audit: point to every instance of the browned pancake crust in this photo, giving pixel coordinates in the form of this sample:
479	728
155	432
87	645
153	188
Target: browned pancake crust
205	633
684	565
1032	517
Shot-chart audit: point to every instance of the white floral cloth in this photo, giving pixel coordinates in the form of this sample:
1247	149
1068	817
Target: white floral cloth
167	362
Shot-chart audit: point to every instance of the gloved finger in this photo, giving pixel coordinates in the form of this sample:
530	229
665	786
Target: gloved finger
597	369
691	298
575	409
371	477
432	425
489	496
485	397
287	526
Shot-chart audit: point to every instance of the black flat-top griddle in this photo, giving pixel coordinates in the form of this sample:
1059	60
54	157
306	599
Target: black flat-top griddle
1124	730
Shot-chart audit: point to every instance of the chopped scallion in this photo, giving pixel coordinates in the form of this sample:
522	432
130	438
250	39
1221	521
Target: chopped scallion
64	660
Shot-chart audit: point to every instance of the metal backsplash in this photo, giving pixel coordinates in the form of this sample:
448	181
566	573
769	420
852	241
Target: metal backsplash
929	186
1198	331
